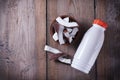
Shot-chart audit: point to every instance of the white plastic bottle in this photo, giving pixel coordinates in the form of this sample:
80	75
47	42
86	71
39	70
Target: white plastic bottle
89	47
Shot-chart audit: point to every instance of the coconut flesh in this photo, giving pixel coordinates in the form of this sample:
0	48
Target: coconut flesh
66	30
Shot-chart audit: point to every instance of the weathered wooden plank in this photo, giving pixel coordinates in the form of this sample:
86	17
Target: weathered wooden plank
17	40
108	62
83	12
40	11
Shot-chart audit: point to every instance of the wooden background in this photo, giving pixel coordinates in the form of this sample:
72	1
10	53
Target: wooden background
24	31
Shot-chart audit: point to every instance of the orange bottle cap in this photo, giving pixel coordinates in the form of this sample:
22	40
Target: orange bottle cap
101	23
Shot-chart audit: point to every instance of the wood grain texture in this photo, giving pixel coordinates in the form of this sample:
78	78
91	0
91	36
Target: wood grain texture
108	65
40	11
17	40
83	12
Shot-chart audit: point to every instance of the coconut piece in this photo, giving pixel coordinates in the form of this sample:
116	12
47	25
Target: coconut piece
69	30
64	60
70	39
52	50
65	23
55	36
55	52
60	35
66	19
67	34
57	55
75	30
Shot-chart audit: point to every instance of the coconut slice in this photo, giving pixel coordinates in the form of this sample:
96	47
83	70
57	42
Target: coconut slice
74	32
65	23
67	35
64	60
69	30
52	50
57	54
55	36
64	30
66	19
70	39
60	35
